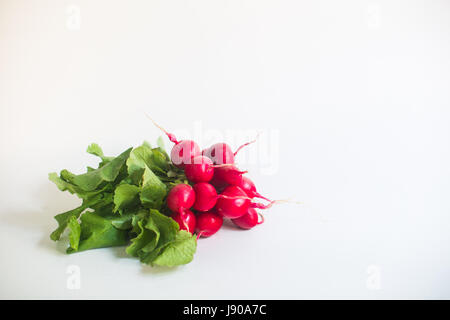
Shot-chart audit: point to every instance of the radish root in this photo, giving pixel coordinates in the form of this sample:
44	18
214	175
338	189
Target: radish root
262	218
171	136
246	144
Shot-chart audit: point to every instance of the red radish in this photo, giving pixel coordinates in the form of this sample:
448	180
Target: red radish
208	223
200	170
250	189
186	220
180	198
248	220
205	196
233	202
228	175
221	153
218	184
183	152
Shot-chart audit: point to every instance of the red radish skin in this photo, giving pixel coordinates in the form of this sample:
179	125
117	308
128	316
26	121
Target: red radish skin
205	196
200	170
186	220
250	189
234	202
183	152
228	175
220	153
218	184
248	220
180	198
208	223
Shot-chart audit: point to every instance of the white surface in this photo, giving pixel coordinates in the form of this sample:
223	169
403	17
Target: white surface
357	91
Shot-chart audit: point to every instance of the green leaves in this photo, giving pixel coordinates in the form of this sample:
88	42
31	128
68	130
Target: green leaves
146	238
63	220
98	232
121	199
126	195
153	190
179	251
159	241
75	232
144	157
139	159
91	180
97	151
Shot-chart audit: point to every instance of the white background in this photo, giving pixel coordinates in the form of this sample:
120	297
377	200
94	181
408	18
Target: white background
358	92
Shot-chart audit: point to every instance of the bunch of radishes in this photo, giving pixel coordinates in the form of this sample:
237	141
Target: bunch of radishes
220	190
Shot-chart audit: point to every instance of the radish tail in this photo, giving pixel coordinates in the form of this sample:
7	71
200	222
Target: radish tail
267	206
246	144
258	195
232	198
262	218
171	136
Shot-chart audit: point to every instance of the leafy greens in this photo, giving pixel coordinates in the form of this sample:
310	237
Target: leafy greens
123	204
